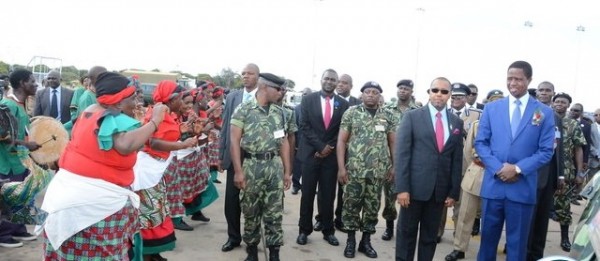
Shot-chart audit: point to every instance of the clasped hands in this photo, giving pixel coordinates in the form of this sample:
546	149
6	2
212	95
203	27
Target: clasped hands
325	152
508	173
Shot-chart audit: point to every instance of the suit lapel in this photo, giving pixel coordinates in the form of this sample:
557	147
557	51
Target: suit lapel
426	115
527	116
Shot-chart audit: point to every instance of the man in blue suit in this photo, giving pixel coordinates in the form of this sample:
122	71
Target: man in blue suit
513	147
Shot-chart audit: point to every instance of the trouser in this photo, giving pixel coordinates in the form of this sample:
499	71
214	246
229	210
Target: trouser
389	195
422	218
232	207
467	213
361	195
562	203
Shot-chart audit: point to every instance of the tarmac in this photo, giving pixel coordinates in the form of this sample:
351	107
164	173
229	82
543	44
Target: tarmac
204	243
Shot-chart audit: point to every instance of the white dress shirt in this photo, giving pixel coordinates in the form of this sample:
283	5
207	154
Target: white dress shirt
512	106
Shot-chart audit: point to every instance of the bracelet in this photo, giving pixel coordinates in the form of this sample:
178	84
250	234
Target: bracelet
581	174
561	177
155	125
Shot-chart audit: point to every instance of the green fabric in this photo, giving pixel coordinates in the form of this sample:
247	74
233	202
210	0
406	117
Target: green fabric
114	124
87	98
159	249
138	247
76	94
10	156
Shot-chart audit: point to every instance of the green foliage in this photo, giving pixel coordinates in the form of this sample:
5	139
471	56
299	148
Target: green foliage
228	78
4	67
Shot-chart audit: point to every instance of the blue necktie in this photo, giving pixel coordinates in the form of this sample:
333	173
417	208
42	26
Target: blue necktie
516	118
54	105
247	97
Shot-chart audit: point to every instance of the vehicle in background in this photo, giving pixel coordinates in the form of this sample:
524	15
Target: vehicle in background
149	80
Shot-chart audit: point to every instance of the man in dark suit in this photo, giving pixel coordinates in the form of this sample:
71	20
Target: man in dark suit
428	160
320	123
472	98
55	100
512	147
297	168
576	113
232	194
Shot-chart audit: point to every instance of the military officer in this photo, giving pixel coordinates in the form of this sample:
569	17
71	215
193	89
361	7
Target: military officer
573	142
367	132
470	189
405	103
259	129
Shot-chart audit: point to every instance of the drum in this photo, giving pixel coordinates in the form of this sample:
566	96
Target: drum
51	135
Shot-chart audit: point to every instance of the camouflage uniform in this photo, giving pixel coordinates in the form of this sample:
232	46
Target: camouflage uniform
263	197
389	208
369	161
290	120
572	137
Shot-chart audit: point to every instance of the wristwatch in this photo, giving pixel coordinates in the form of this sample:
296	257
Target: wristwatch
517	169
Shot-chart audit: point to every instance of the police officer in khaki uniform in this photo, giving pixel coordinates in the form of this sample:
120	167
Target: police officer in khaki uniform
258	128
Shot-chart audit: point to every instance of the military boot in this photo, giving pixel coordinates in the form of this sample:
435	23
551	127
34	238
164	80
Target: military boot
389	230
252	251
350	249
565	244
365	246
476	226
274	253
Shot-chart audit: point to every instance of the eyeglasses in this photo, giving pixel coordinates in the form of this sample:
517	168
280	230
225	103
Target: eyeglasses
276	88
456	97
575	110
51	78
436	90
473	94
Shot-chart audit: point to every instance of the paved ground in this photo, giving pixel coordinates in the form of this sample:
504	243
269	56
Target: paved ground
204	243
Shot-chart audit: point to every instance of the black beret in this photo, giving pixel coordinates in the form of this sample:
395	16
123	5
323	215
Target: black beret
494	93
272	78
371	84
110	83
562	95
460	89
407	83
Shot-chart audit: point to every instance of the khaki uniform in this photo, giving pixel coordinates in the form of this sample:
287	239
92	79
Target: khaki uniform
263	132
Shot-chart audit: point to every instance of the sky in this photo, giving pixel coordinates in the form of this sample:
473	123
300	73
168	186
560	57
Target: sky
385	41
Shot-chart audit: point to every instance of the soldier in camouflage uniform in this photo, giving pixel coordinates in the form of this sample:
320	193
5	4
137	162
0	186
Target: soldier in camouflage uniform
290	120
404	104
368	133
573	142
259	129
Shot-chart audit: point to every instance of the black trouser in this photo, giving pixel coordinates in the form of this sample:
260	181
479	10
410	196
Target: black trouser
539	226
338	206
428	215
232	207
297	173
321	173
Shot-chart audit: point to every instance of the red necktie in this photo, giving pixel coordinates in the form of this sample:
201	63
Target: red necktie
327	116
439	131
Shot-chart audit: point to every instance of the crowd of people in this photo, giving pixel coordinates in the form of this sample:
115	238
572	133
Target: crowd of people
129	174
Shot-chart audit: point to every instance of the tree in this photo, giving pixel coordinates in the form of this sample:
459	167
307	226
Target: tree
228	79
4	68
70	74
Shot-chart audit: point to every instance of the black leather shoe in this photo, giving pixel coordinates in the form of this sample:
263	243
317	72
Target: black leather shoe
365	247
331	239
198	216
575	202
565	245
318	226
388	234
476	226
350	250
339	226
229	245
302	238
182	226
455	255
295	190
252	253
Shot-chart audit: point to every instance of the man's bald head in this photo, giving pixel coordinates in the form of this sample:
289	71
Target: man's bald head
94	72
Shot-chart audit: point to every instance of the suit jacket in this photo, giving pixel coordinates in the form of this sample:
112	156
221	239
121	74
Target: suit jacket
42	103
556	167
420	168
586	128
595	147
315	136
354	101
531	148
232	100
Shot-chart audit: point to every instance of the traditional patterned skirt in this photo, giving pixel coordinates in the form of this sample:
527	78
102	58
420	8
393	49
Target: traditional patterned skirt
213	150
109	239
195	183
157	227
174	189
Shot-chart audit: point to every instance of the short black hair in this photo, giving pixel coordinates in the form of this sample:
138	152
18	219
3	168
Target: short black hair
523	65
328	70
547	83
19	75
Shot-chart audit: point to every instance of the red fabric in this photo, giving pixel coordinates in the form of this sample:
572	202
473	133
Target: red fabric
163	91
327	116
168	130
111	99
439	131
161	231
83	156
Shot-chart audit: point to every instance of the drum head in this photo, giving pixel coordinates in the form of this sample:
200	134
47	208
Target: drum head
51	135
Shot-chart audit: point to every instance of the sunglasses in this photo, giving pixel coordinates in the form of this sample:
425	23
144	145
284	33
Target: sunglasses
276	88
575	110
436	90
456	97
473	94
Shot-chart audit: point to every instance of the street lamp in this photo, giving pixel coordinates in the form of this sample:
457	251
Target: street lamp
421	12
580	30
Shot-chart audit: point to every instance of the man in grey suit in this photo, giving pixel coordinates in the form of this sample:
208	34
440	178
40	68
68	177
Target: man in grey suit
428	160
54	101
594	164
232	194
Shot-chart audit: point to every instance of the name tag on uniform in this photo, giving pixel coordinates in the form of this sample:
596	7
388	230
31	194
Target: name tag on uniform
379	128
278	134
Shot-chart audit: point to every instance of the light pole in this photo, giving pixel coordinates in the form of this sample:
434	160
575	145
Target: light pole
528	27
580	30
315	39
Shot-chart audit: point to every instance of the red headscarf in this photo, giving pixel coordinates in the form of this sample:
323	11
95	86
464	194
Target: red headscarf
164	91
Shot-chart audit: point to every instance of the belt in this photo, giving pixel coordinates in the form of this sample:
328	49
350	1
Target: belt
261	156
